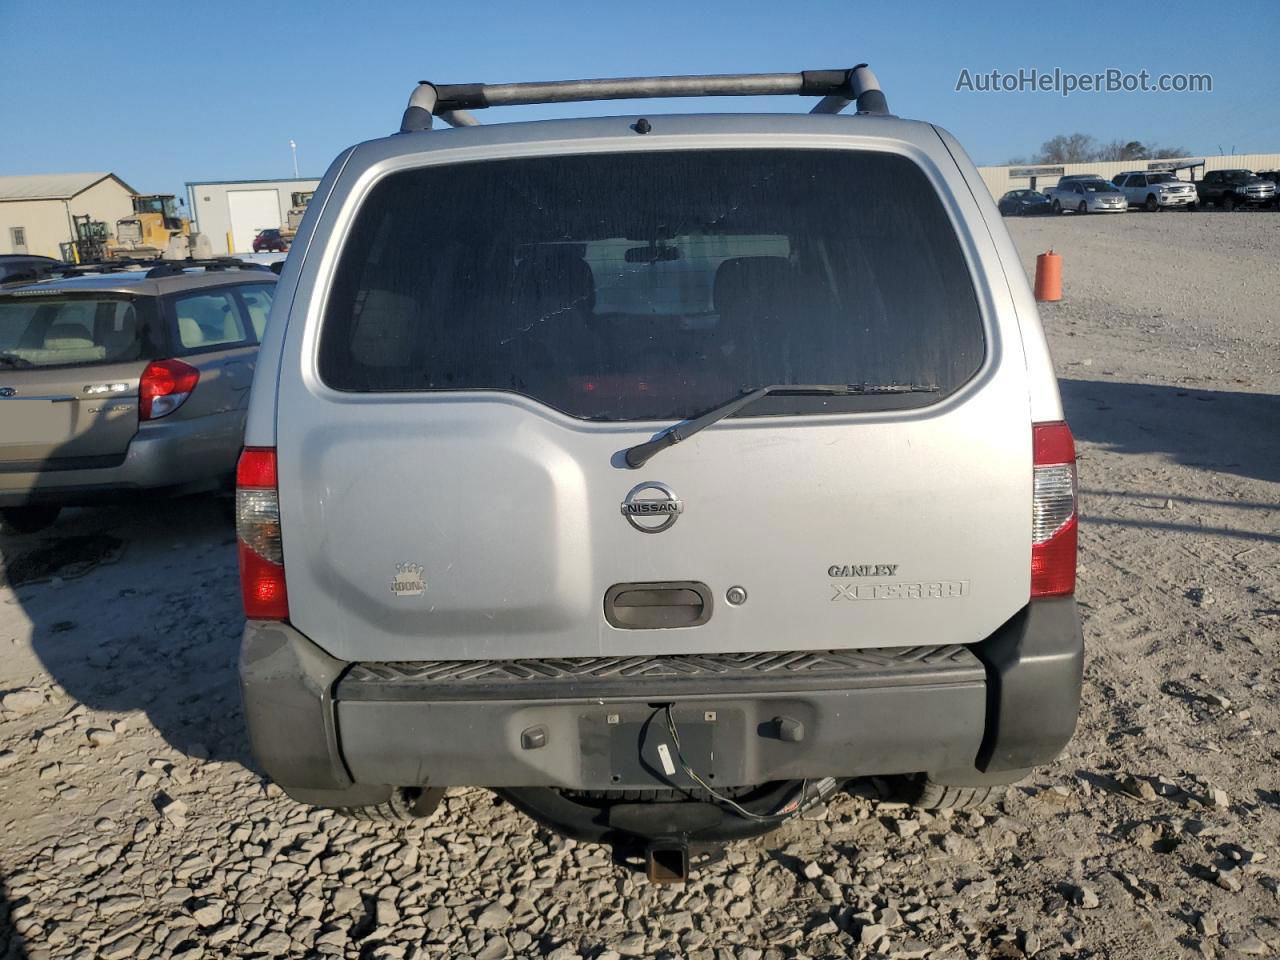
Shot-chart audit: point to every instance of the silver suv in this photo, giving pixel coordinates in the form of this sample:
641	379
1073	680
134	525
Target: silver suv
660	473
120	381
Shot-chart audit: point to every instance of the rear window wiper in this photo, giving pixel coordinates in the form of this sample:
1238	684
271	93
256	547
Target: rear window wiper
640	454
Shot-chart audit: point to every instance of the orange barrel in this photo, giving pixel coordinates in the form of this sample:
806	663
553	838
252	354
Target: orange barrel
1048	277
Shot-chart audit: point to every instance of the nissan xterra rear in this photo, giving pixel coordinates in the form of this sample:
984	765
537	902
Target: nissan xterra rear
661	473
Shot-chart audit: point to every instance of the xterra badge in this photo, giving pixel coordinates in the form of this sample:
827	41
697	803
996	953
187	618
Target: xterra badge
408	581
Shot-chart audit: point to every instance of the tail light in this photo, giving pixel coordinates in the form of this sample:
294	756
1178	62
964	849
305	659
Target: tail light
1054	519
164	386
258	536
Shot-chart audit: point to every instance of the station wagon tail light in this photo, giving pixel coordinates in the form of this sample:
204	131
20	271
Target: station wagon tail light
258	536
164	386
1054	517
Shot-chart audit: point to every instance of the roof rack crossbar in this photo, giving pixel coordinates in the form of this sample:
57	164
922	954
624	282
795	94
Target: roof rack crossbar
838	88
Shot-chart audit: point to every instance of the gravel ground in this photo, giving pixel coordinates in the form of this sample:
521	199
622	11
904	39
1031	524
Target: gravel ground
132	822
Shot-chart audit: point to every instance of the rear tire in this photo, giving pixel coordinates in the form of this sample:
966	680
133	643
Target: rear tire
924	793
19	520
406	805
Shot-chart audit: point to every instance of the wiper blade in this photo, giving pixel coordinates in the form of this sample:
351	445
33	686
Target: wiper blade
13	360
641	453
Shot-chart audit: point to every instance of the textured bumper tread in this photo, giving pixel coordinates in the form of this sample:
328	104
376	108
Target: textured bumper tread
643	675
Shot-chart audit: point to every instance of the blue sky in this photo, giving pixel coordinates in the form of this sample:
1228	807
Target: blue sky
163	93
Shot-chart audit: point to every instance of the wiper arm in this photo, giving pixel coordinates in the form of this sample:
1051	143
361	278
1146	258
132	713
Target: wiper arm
13	360
641	453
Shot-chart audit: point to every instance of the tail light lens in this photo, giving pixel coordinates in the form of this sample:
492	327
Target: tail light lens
1054	519
258	536
164	386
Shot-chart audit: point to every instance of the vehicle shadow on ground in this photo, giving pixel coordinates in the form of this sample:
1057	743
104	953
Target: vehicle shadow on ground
1213	429
11	942
137	607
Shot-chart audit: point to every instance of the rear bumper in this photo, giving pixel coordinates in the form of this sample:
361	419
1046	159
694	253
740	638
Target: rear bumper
181	455
329	731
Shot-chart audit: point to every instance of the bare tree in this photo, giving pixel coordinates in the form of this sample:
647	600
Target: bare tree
1110	151
1082	148
1072	148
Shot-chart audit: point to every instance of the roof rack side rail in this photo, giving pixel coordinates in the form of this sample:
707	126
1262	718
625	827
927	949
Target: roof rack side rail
172	268
837	88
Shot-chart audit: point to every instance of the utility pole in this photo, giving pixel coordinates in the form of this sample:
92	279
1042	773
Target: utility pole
293	147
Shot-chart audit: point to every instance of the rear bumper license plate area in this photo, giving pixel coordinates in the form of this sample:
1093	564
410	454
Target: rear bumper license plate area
731	721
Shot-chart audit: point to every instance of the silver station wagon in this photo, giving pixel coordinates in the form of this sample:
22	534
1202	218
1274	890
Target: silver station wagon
115	382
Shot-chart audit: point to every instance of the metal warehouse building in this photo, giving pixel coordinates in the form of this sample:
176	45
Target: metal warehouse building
36	211
235	210
1001	180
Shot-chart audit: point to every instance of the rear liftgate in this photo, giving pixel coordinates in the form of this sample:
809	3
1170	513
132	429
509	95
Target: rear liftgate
658	737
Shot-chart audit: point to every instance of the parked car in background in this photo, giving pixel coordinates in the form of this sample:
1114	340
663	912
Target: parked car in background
15	266
1229	189
1087	195
1156	190
1274	177
544	534
270	240
119	382
1073	177
1022	203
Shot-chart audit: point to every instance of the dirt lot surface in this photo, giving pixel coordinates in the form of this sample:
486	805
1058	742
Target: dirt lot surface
133	824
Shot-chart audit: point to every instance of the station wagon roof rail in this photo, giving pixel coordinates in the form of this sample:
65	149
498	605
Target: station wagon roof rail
453	102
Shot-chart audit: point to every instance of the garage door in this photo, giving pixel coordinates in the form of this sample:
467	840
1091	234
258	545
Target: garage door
251	211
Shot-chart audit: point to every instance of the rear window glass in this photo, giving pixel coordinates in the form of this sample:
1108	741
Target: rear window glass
654	285
257	300
45	331
208	320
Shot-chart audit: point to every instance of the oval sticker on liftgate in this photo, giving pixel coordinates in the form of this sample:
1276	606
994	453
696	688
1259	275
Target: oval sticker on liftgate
941	590
409	580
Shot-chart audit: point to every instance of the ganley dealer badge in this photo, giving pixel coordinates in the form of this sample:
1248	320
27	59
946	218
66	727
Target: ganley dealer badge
409	580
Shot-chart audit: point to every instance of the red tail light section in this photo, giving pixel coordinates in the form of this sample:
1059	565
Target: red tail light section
258	536
1055	519
164	387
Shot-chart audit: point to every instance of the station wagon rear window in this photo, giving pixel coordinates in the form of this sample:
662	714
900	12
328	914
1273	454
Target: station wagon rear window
70	330
655	285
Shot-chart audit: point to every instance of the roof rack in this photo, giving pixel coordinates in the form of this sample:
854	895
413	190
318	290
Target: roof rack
171	268
451	102
155	268
48	271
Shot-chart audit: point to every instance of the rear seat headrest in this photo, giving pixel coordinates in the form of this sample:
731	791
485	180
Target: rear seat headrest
555	278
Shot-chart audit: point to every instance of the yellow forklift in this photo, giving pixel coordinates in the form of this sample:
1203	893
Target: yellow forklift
146	234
